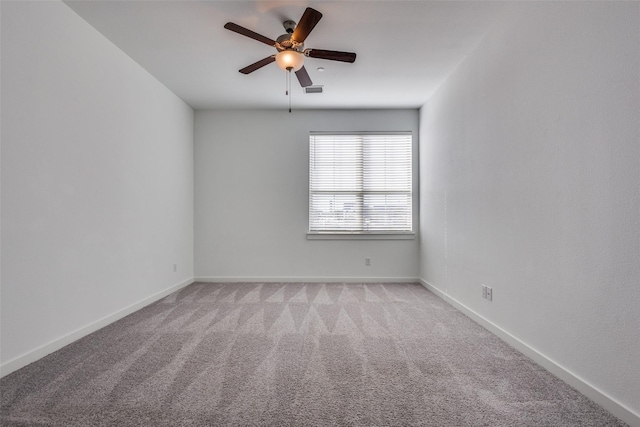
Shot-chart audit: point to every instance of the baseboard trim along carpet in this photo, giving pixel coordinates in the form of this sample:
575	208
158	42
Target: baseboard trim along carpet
40	352
233	279
593	393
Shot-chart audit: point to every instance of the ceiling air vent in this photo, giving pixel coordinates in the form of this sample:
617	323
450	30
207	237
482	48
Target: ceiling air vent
313	89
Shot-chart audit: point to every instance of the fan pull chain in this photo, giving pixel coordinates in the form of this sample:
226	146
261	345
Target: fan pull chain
286	83
289	87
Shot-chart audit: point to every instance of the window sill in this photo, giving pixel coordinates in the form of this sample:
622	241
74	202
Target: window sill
361	236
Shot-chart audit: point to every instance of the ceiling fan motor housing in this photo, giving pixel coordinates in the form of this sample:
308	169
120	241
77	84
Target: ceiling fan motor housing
284	42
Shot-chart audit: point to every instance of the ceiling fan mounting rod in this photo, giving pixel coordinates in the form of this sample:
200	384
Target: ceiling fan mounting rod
289	26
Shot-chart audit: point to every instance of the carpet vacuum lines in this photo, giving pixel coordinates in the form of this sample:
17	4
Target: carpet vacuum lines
293	354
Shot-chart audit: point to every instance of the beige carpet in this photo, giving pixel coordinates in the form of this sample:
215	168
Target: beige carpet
281	354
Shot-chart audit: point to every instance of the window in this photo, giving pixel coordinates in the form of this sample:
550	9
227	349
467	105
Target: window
360	183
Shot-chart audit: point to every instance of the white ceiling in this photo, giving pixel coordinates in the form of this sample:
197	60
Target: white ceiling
405	49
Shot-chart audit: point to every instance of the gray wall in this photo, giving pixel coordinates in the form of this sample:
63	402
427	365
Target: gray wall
530	174
252	198
97	181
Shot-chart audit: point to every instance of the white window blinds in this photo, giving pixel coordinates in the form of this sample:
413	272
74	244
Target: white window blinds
360	183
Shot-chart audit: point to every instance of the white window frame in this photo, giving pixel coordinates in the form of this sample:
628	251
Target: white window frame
316	234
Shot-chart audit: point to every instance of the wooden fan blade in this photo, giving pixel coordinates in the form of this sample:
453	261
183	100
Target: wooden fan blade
332	55
303	77
309	19
256	65
248	33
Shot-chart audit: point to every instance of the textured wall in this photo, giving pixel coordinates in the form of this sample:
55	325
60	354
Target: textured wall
97	178
530	173
252	198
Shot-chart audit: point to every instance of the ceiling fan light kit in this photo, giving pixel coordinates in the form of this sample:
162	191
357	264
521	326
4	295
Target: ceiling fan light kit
289	60
290	47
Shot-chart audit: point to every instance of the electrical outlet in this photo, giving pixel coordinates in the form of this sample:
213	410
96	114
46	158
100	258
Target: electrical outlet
175	267
484	291
489	293
367	261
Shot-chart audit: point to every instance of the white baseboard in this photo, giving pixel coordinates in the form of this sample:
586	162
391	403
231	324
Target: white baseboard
308	279
33	355
596	395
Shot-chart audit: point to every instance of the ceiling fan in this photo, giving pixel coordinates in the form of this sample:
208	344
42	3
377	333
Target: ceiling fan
290	46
